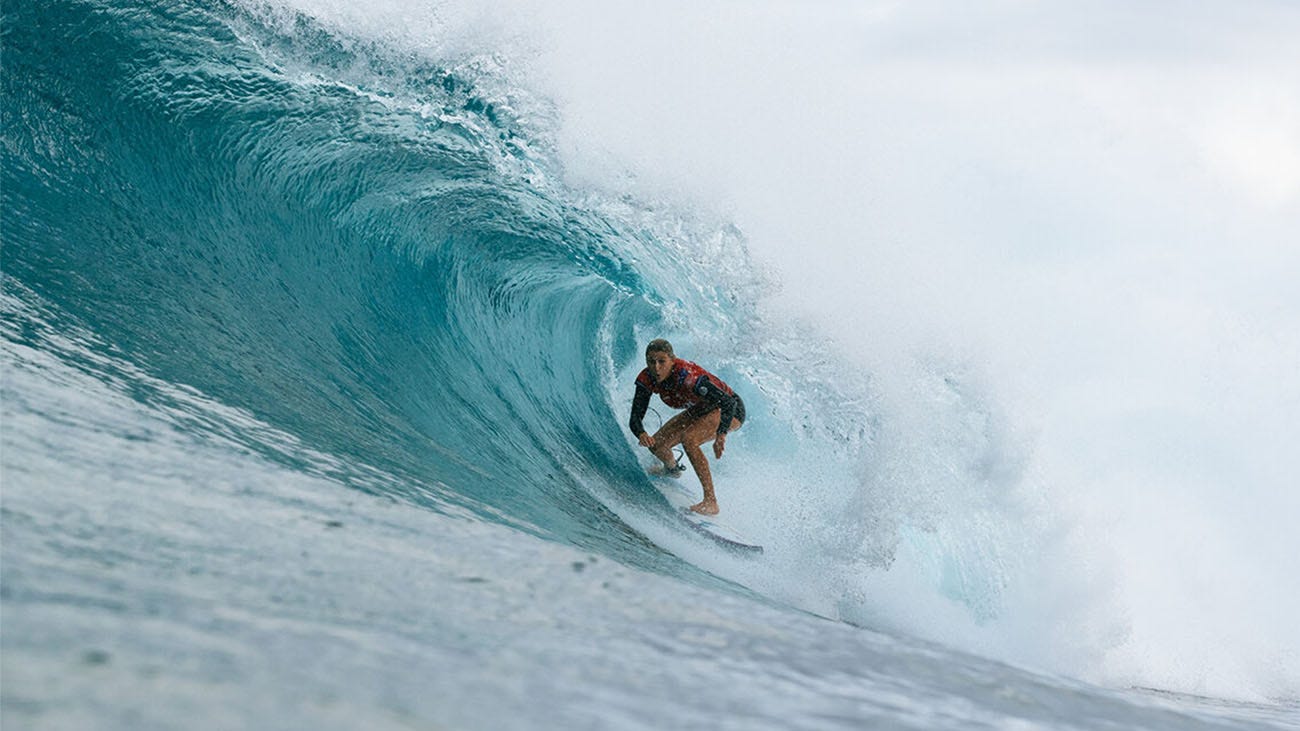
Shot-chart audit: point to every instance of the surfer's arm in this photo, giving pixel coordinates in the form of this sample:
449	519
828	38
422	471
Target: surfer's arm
640	402
726	403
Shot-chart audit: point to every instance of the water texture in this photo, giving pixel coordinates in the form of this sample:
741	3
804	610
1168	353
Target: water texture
315	383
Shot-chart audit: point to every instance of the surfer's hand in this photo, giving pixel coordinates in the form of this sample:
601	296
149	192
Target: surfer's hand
719	444
646	440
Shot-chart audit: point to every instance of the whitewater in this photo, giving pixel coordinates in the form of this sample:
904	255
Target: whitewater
320	326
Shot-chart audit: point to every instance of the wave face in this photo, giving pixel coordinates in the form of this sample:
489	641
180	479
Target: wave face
372	260
355	251
378	254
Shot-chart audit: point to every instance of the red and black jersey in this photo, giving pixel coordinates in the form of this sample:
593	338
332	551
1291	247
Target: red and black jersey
687	385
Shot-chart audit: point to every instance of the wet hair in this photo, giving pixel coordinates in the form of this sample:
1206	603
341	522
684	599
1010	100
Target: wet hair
659	345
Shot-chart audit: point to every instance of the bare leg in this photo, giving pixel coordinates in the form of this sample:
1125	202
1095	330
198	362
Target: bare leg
669	436
691	433
709	506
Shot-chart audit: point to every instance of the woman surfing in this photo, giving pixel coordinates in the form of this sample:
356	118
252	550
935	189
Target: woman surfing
711	410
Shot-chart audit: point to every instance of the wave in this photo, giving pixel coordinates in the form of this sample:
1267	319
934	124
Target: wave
365	250
380	252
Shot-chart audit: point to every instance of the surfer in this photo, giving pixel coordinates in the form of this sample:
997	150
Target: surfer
712	409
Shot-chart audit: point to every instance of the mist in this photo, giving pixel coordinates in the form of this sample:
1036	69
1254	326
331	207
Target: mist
1096	209
1092	212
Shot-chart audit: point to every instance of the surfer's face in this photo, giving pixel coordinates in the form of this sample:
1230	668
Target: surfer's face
660	365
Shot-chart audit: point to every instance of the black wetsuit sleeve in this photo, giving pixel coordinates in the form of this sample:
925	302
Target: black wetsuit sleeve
640	402
726	403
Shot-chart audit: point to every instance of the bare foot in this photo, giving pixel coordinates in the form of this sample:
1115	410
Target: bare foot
705	508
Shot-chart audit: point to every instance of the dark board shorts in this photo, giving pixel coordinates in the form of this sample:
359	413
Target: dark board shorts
702	409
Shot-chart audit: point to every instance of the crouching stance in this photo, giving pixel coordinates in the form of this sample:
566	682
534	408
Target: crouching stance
711	410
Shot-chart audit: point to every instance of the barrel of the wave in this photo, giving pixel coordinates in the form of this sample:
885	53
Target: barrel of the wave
710	410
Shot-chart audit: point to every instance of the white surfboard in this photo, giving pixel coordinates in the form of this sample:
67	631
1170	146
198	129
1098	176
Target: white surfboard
682	497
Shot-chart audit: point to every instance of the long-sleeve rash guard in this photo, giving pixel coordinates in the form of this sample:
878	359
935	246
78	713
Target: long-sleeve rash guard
688	385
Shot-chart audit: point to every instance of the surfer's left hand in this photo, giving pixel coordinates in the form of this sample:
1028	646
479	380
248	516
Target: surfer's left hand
719	444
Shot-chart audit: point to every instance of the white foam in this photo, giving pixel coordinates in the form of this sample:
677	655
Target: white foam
1089	217
1094	217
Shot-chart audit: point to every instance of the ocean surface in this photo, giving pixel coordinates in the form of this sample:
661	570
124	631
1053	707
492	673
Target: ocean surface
315	387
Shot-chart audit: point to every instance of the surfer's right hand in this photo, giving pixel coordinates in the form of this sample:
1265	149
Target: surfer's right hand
646	440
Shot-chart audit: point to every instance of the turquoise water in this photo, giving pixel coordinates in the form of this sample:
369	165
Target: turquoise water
316	378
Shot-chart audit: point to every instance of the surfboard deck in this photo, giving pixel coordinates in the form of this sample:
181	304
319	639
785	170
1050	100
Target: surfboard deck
681	497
